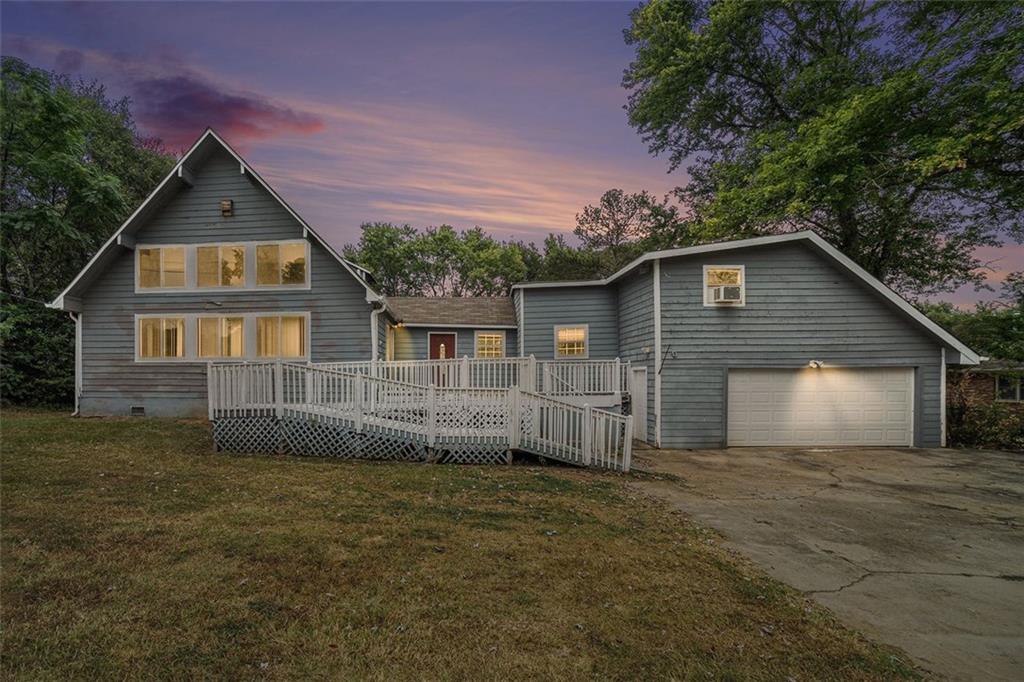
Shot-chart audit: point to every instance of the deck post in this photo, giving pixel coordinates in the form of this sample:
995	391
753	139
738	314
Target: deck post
514	418
531	374
588	433
617	378
627	445
210	390
359	396
431	415
278	389
464	378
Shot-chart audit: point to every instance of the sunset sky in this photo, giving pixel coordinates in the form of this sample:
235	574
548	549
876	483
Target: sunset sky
507	116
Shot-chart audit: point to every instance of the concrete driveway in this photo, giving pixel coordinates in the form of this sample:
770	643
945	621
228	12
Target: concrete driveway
922	549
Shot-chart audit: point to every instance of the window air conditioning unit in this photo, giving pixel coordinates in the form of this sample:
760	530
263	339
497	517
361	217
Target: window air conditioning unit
727	294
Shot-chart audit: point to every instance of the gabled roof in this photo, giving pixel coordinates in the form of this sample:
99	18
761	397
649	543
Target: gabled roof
967	356
181	176
475	311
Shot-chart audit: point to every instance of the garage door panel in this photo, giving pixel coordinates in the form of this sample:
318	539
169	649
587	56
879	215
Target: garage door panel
821	407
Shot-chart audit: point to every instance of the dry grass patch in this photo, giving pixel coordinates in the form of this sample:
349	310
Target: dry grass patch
131	550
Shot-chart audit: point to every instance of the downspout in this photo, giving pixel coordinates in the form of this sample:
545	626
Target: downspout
78	357
374	336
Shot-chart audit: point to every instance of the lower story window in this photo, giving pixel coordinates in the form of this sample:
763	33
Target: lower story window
490	344
221	337
281	337
571	342
161	337
1009	388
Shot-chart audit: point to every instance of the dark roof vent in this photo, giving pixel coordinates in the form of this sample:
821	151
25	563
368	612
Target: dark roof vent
227	207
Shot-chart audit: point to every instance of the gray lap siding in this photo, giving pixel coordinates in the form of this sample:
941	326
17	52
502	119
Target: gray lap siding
594	306
798	308
636	335
112	380
411	342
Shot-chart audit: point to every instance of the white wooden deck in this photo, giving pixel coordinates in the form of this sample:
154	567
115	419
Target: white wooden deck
466	410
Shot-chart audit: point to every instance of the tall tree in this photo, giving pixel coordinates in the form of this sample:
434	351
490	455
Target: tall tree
72	166
894	130
622	226
439	261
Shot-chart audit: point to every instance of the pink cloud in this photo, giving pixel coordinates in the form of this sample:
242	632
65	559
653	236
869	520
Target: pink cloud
177	109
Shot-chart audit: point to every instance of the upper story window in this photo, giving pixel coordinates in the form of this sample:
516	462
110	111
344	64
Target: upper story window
221	337
161	337
490	344
220	266
162	267
281	336
204	267
724	285
281	264
1009	388
571	342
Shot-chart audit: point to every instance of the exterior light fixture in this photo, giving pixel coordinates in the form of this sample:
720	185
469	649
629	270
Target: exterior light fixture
227	207
815	364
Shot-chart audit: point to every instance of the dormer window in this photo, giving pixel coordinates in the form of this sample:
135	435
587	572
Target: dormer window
724	285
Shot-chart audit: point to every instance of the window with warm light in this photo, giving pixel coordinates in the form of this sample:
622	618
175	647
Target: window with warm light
220	266
724	285
221	337
161	267
161	337
490	344
281	264
571	342
281	336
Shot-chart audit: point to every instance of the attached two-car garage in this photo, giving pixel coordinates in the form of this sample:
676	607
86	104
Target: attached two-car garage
821	406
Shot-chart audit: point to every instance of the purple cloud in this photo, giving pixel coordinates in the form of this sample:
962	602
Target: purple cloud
178	108
68	61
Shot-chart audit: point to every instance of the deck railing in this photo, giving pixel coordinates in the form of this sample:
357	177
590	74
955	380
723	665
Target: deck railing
553	377
431	414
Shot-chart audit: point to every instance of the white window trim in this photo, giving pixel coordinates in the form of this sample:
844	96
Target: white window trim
219	246
248	336
192	270
586	342
139	289
455	351
496	332
1020	388
743	286
259	358
189	338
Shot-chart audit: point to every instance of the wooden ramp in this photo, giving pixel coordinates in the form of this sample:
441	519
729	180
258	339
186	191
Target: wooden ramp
316	410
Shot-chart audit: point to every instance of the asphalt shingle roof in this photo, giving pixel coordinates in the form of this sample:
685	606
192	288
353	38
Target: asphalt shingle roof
476	311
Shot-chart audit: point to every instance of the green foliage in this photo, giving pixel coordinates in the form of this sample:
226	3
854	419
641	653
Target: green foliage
990	329
623	226
71	168
440	261
894	130
990	425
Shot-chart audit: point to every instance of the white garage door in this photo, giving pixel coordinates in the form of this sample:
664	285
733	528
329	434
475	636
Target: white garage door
821	406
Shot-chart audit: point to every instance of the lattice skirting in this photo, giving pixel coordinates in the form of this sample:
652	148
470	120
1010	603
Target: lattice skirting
309	437
471	453
247	434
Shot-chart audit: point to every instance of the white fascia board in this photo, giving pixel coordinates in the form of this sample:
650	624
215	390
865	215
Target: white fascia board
176	172
58	302
672	253
371	295
969	356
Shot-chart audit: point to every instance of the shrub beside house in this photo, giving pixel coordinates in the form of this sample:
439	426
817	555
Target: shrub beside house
986	405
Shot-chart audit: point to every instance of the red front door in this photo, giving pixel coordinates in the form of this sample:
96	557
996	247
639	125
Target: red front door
442	346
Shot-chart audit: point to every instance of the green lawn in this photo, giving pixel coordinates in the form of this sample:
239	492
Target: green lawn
130	549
